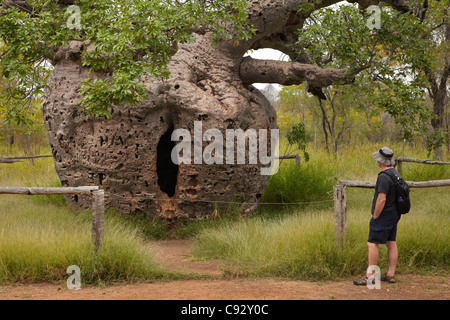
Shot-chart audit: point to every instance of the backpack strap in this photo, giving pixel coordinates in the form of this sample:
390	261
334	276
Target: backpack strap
391	175
394	178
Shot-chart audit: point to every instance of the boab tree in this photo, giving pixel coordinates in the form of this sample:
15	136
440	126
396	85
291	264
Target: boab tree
127	74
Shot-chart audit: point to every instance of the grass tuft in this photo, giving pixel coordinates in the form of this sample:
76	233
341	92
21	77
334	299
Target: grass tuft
38	243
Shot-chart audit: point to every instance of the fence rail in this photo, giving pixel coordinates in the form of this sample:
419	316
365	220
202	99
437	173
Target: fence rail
411	184
16	159
340	200
98	203
5	160
295	156
399	162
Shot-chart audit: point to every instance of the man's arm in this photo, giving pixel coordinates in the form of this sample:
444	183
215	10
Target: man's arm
379	205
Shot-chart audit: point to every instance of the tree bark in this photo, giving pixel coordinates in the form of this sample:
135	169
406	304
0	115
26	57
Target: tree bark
325	124
340	214
288	73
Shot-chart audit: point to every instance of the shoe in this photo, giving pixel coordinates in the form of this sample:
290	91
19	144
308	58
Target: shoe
362	281
388	279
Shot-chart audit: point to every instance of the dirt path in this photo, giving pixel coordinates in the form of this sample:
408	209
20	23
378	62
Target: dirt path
174	255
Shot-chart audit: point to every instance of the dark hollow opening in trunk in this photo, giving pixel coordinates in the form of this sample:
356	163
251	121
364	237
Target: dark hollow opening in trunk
167	170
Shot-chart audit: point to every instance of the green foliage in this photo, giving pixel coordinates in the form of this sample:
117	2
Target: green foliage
22	127
299	136
339	36
394	57
126	39
420	172
294	105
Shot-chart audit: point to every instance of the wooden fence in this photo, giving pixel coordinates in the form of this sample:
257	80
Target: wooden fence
340	203
399	162
340	200
98	204
17	159
295	156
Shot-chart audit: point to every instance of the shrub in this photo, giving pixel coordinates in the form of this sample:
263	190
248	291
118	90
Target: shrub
306	183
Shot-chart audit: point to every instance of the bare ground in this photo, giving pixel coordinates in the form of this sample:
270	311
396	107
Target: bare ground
174	255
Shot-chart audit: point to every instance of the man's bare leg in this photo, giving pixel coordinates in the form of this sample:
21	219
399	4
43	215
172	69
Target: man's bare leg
393	256
372	254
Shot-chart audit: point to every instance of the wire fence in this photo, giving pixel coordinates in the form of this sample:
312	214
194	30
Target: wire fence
107	194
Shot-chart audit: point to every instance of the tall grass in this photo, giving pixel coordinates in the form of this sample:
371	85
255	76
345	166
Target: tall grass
40	237
356	162
303	245
39	242
307	183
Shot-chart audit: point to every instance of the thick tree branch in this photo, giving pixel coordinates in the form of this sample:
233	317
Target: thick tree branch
290	73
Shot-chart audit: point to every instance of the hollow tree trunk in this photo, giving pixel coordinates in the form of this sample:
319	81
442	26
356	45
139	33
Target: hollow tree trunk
129	155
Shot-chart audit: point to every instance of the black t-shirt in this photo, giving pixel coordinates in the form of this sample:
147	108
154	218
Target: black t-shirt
389	215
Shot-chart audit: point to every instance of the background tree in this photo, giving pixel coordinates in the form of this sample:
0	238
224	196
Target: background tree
271	93
21	122
401	55
438	77
335	118
294	105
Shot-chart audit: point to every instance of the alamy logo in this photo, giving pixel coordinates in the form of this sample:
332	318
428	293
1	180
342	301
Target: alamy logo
74	21
373	282
235	144
74	281
374	20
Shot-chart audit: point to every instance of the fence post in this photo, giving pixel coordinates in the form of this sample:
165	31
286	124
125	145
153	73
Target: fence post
98	213
298	160
399	168
340	213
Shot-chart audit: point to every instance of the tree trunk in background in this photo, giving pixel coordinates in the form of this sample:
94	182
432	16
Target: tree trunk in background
438	123
438	92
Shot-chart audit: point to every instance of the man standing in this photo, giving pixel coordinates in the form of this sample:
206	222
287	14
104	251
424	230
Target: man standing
385	216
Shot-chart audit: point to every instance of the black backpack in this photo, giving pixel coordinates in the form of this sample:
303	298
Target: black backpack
401	193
